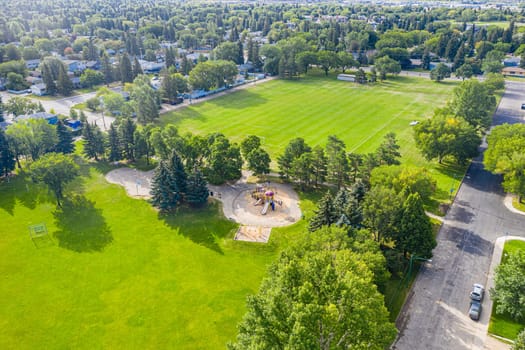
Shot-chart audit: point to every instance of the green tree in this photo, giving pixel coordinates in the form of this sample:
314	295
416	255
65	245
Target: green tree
493	62
345	61
293	150
15	82
404	178
337	164
146	100
48	78
55	170
381	212
319	165
65	139
126	131
90	78
259	161
440	72
385	65
64	84
494	82
164	190
197	190
7	158
126	71
178	173
250	143
444	135
519	343
21	105
504	155
137	68
325	214
415	234
227	51
93	141
106	69
473	102
327	60
319	294
388	151
301	169
464	71
33	137
224	161
115	151
509	283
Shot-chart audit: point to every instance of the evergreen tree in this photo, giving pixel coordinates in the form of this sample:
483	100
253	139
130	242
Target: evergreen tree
415	235
170	58
318	165
115	152
65	139
48	79
240	54
164	190
325	215
106	69
64	84
388	151
197	190
7	159
126	132
177	171
93	141
137	69
126	71
341	201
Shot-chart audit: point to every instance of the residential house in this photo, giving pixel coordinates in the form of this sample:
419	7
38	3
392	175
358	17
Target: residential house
34	80
512	61
32	64
50	118
94	65
513	72
38	89
74	65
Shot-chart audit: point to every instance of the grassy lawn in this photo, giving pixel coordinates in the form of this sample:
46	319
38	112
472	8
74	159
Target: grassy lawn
518	205
314	107
114	274
504	325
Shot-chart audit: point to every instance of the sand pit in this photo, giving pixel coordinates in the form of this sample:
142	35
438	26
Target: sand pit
237	199
137	183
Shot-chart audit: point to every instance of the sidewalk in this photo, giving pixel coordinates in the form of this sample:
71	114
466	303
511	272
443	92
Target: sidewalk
492	343
508	203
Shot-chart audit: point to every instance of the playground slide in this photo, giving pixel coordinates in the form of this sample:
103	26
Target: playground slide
265	209
258	201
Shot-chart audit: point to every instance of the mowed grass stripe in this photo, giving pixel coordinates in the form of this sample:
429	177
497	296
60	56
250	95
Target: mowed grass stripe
315	106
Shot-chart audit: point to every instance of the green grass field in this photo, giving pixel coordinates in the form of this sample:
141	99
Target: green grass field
114	274
504	325
315	107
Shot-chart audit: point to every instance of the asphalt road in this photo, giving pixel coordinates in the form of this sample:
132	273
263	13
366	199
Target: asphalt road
436	312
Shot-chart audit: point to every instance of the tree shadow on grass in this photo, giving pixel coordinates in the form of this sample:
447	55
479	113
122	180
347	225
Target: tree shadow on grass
20	188
203	226
81	226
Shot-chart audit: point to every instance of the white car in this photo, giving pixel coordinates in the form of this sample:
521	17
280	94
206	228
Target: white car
477	292
415	122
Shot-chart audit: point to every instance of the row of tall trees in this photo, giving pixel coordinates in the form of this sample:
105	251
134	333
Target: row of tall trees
30	139
455	131
392	208
333	165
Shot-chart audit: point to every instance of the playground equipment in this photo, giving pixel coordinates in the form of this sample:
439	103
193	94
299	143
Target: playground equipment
265	197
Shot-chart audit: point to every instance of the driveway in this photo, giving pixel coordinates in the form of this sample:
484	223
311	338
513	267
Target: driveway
435	314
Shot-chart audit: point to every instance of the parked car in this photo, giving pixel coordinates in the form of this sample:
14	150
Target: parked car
523	106
477	292
475	310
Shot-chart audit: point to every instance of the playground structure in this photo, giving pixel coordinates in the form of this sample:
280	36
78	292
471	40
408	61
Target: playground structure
265	197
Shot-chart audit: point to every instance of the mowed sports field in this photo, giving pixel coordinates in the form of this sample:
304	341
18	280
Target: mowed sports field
315	106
